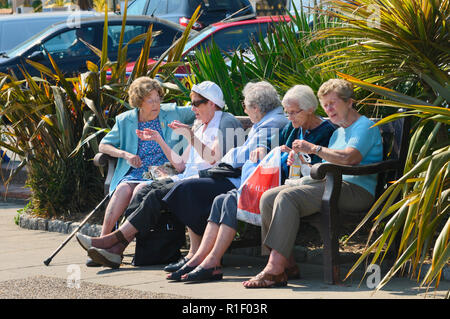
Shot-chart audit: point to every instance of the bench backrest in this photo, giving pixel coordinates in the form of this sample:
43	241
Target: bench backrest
395	137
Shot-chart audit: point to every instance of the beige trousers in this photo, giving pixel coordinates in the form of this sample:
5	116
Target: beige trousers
282	207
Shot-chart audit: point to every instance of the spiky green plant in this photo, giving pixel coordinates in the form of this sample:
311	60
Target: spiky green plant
416	206
396	42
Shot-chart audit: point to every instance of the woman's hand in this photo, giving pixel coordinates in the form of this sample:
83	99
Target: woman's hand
258	154
285	149
182	129
134	160
291	158
302	146
149	135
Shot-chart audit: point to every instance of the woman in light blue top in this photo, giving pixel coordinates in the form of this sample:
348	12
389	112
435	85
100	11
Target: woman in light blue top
136	155
355	142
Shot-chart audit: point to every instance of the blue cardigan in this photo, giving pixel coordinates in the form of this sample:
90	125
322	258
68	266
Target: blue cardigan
123	134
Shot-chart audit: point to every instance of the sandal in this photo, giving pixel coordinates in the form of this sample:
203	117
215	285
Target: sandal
260	281
176	265
176	275
293	272
203	274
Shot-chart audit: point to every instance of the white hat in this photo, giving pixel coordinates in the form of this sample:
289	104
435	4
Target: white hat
211	91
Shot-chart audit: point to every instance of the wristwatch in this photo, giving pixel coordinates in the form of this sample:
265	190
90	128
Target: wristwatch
317	149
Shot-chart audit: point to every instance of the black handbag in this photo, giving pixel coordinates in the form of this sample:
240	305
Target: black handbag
161	244
220	171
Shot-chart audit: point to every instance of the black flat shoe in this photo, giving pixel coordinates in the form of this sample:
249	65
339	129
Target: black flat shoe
176	275
176	265
203	274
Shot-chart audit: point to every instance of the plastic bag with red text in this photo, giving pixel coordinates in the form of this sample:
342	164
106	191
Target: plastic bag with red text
264	177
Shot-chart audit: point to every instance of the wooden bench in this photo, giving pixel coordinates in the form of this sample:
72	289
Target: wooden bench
395	146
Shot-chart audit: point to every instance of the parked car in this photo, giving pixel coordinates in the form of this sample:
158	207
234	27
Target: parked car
180	11
16	28
233	35
70	54
229	37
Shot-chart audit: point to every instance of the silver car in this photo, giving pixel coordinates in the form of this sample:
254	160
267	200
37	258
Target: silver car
16	28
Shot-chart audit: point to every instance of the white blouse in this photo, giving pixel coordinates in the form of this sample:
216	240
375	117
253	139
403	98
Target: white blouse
207	136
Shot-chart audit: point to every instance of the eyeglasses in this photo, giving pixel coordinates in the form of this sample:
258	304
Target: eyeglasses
197	103
293	113
152	101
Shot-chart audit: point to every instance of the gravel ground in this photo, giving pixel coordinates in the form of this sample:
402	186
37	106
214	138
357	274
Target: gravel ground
42	287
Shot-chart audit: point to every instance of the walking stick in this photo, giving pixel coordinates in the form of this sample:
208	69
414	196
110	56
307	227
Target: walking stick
48	260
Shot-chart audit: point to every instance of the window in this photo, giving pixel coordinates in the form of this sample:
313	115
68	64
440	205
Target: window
163	40
69	44
136	7
238	37
231	6
131	31
157	7
174	5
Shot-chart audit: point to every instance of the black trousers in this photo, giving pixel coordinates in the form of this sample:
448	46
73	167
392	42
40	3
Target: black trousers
190	200
145	208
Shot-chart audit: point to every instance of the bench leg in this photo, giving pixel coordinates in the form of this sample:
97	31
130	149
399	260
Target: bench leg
329	230
331	259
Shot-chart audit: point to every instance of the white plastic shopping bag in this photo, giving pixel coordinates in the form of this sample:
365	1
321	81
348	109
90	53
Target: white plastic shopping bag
264	177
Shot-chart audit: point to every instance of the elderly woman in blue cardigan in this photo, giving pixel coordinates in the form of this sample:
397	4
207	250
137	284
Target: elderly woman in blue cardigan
136	155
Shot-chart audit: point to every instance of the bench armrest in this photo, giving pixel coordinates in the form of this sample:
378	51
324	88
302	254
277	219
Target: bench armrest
320	170
333	178
101	160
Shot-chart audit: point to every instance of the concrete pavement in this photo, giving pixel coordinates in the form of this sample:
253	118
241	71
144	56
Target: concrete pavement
23	251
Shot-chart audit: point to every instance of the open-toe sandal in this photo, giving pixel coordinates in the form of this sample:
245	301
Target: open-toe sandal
261	280
203	274
176	265
176	275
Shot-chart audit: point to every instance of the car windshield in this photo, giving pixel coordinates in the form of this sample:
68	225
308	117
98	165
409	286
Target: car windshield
198	38
136	7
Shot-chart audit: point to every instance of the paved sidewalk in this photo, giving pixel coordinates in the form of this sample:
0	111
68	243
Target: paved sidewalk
23	274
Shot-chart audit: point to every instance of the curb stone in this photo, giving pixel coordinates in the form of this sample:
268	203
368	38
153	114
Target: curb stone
53	225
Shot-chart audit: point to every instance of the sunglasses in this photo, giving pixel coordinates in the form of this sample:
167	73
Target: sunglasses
197	103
